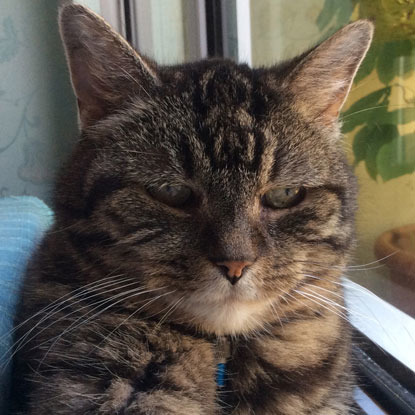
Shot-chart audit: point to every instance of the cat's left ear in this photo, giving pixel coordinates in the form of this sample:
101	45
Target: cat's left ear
105	70
321	81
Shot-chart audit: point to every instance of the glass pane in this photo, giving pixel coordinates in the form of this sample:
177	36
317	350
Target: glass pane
378	122
169	31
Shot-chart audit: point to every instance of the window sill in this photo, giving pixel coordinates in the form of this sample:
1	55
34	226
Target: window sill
384	324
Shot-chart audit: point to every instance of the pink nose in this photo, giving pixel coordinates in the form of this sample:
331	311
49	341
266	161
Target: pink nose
235	268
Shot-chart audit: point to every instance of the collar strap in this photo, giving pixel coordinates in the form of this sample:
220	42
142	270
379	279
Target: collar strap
222	354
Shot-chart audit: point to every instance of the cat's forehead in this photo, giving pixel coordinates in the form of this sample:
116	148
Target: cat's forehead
216	80
224	122
224	84
227	126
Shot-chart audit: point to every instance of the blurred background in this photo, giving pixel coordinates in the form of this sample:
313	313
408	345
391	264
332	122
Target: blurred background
38	120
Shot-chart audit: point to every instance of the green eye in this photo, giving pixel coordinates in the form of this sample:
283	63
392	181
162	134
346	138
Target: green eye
172	195
282	198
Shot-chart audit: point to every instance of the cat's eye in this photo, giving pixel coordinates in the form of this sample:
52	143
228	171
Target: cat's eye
283	197
172	195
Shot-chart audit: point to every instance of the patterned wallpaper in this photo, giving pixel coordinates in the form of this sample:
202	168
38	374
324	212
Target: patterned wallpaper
38	122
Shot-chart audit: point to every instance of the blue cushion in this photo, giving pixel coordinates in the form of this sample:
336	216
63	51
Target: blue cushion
23	220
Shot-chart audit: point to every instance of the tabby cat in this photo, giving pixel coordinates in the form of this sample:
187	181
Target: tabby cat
203	219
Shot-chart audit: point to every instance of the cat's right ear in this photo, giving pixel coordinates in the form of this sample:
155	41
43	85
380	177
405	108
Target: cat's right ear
105	70
322	78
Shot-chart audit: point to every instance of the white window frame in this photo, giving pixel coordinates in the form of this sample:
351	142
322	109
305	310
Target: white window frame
366	403
383	323
243	24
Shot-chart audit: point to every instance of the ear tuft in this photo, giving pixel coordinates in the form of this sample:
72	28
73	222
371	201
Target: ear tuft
105	70
321	80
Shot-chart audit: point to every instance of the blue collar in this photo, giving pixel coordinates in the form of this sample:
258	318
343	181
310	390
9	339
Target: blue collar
222	352
220	375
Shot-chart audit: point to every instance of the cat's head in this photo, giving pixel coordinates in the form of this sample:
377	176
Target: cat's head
221	185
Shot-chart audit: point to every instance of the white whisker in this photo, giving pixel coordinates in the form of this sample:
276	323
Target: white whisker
72	327
310	297
58	302
21	341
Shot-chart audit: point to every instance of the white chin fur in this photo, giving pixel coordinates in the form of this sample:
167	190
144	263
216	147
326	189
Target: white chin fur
224	309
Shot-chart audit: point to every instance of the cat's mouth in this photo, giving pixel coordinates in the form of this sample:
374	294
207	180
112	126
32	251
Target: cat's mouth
233	314
223	308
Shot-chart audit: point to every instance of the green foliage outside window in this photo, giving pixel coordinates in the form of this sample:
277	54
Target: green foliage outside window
378	142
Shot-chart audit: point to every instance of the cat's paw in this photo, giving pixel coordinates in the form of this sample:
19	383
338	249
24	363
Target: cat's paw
165	402
117	397
122	396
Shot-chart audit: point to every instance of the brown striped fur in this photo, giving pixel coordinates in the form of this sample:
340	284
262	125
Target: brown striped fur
123	304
